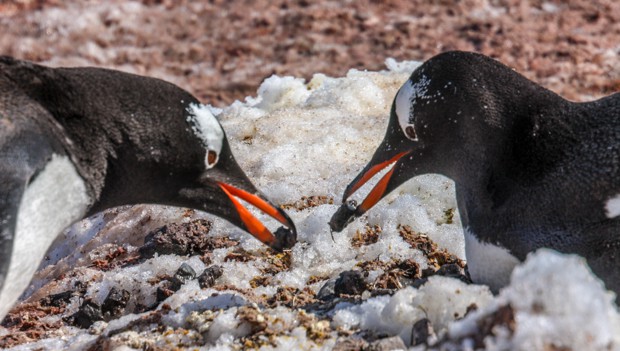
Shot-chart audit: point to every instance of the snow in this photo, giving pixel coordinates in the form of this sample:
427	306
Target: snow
441	300
298	138
557	302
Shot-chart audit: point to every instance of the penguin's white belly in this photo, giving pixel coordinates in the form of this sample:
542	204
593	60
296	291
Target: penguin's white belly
488	264
56	198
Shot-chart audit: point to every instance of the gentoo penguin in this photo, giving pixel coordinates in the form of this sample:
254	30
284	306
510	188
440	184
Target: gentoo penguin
75	141
531	169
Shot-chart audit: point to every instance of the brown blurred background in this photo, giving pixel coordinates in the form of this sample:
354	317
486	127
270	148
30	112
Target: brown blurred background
222	50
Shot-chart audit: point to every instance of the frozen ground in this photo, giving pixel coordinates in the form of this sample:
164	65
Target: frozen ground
302	142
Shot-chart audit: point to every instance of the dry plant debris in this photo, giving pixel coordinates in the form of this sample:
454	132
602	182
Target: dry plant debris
308	202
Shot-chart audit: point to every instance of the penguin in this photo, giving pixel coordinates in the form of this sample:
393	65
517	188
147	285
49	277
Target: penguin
531	169
76	141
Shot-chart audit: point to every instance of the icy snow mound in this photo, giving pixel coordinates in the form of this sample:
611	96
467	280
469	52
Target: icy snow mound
553	302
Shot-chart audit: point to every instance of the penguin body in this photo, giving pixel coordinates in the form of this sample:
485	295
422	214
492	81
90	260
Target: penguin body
76	141
531	169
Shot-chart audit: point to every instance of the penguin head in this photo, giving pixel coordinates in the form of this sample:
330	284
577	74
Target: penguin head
223	183
439	120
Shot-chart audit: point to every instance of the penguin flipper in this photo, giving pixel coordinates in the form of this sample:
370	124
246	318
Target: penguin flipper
42	194
11	190
38	183
23	155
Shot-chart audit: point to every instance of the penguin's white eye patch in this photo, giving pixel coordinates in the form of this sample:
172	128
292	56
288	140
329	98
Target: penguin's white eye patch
206	127
405	104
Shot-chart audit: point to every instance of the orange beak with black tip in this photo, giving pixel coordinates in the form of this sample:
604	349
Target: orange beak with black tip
380	189
367	174
282	239
388	182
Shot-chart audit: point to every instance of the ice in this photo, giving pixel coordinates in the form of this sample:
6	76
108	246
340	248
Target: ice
441	300
294	133
557	302
553	306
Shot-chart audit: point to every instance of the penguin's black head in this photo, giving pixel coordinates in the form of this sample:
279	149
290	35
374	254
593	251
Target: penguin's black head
439	118
222	183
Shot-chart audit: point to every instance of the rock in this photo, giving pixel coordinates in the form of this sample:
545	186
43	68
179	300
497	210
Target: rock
388	344
350	344
184	274
423	333
165	290
57	300
209	276
450	270
177	238
285	239
168	287
350	283
453	270
87	314
115	303
343	216
327	290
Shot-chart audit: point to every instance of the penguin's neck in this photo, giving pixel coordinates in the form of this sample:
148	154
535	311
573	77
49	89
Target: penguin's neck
515	157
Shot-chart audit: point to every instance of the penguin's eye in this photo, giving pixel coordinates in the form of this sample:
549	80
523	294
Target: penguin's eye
211	158
410	132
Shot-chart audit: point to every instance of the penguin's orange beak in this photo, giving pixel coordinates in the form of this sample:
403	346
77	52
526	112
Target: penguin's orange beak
379	190
347	211
284	239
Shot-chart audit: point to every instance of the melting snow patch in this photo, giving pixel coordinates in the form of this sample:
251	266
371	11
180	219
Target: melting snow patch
555	302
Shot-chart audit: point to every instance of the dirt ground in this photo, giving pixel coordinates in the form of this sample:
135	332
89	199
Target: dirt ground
222	50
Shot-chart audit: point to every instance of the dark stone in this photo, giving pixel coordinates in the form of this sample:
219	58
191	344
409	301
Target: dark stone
450	270
87	314
184	274
388	344
423	333
80	287
327	292
177	238
165	290
286	238
380	292
350	344
141	308
57	300
419	282
115	303
350	283
453	270
428	272
209	276
343	216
